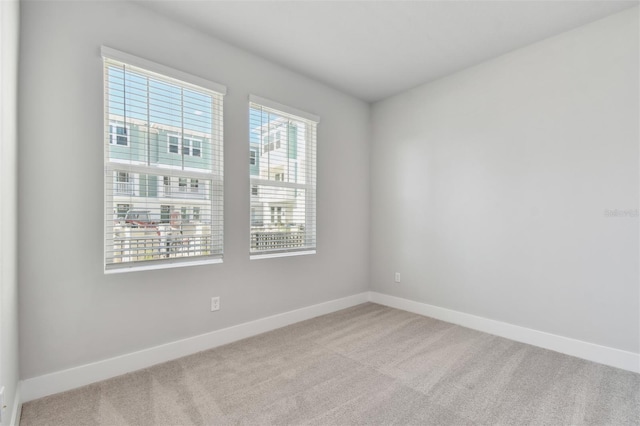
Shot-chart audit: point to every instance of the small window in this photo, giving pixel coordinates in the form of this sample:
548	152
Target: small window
195	148
186	145
276	215
194	185
174	144
182	184
196	213
252	157
124	183
254	190
118	134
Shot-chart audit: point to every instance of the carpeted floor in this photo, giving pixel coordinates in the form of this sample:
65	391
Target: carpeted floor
364	365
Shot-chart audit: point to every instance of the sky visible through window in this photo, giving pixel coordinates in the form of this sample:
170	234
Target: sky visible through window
257	119
137	96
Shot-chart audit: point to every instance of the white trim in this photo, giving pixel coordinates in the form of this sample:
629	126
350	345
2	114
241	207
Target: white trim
16	411
60	381
164	70
281	254
168	265
590	351
284	108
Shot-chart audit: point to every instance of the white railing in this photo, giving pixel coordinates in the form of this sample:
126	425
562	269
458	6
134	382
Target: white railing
274	240
133	246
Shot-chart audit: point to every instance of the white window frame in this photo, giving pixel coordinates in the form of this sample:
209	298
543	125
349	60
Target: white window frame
213	180
113	136
169	144
182	144
309	186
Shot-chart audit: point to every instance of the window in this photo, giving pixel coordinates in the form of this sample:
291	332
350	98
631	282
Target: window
194	185
118	134
276	215
123	183
174	160
184	145
174	144
283	181
182	184
195	147
166	186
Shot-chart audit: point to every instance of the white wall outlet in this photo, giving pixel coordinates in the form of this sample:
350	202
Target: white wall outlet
397	277
215	303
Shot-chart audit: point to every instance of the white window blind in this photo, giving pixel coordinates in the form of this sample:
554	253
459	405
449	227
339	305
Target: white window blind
282	173
163	165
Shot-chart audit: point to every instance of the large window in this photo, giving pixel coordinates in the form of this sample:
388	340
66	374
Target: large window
163	155
282	173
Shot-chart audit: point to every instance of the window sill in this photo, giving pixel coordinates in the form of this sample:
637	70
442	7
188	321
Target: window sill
282	254
137	268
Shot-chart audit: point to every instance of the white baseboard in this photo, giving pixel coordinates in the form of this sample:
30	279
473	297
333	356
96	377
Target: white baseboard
601	354
60	381
16	411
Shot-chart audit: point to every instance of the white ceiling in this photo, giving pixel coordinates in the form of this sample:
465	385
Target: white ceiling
375	49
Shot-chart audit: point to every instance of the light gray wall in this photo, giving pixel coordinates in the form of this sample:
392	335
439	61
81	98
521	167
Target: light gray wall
9	31
489	187
70	312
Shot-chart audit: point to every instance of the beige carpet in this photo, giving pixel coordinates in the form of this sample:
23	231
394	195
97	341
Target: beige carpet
364	365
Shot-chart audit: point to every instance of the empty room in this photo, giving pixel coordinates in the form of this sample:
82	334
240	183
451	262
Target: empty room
319	212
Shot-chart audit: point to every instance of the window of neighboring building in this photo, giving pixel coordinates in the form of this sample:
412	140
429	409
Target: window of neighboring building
174	144
195	147
118	134
252	157
182	184
185	145
196	213
283	182
124	184
194	185
175	159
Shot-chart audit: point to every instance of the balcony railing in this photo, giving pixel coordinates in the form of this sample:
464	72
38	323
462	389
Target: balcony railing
134	248
275	240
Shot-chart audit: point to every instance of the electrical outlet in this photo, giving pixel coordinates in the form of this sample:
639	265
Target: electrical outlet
397	277
215	303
